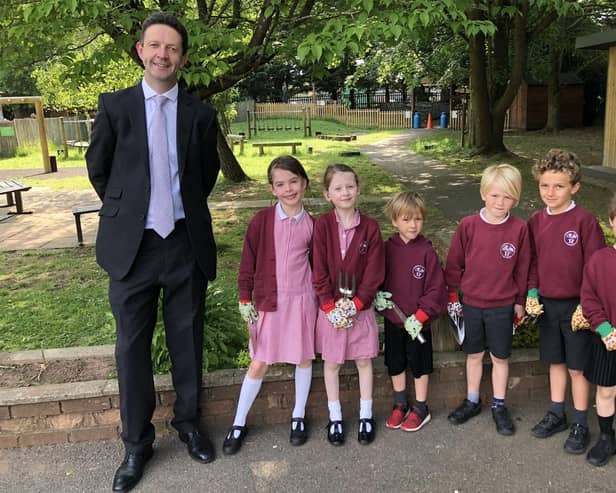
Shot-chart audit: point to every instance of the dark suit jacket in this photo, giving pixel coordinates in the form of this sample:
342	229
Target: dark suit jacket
118	167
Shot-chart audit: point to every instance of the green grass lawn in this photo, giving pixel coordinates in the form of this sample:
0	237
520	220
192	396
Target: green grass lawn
58	298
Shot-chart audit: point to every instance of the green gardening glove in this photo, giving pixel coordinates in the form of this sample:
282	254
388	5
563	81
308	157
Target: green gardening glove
413	326
533	307
248	312
382	301
608	335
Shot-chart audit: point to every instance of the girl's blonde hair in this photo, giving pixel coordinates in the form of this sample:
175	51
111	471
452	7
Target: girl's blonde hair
407	204
502	176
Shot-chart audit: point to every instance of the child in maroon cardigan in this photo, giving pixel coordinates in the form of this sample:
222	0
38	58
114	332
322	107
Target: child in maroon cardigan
599	306
414	282
348	256
563	237
275	271
488	262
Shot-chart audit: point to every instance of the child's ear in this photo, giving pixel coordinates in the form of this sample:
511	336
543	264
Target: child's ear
575	188
326	195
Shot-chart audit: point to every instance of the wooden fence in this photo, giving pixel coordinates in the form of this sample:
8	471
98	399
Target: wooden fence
358	118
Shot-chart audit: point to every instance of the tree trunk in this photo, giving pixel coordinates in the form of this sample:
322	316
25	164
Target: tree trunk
229	165
553	88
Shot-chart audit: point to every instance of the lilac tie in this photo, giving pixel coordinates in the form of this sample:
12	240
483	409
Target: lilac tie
161	200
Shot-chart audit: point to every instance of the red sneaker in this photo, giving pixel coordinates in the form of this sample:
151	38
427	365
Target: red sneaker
397	416
414	421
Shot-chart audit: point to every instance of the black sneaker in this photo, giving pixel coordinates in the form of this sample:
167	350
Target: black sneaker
299	434
578	440
548	425
504	425
603	450
464	412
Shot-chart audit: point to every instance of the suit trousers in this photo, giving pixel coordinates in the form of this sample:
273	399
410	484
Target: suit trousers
166	266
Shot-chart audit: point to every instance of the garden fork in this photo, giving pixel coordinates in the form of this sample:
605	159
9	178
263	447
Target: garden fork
347	291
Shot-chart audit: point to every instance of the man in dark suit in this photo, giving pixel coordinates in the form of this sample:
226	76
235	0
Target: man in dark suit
152	160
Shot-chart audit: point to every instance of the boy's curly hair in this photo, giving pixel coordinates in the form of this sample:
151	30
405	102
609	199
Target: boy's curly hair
562	161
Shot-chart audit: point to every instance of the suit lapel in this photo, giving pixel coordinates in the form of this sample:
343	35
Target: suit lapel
184	127
136	115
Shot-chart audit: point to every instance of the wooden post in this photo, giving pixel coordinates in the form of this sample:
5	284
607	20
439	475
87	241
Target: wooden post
248	120
63	137
609	139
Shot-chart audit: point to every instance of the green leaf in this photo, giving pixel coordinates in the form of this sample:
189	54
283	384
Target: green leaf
368	5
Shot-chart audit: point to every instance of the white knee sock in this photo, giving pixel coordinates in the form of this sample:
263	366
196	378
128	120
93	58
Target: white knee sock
248	394
335	410
303	379
365	409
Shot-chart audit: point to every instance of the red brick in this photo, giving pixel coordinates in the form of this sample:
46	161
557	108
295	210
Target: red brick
115	401
69	421
162	427
8	441
80	405
275	417
108	417
4	412
93	434
540	395
451	374
225	407
40	409
43	438
166	398
222	393
163	412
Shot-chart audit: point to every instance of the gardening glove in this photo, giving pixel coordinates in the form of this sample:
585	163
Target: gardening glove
347	306
578	322
339	319
382	301
413	326
248	312
608	335
454	307
533	307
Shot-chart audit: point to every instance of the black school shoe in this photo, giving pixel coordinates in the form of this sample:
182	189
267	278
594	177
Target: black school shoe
548	425
335	437
232	444
578	440
502	419
464	412
299	434
364	436
603	450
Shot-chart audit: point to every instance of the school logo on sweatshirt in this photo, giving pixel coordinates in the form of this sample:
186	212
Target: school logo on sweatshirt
571	238
419	271
363	247
507	250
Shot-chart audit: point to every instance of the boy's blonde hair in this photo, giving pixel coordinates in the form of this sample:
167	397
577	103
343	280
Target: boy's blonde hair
562	161
407	204
502	176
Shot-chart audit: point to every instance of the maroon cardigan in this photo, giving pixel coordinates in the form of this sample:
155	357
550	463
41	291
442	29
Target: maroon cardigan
257	273
365	259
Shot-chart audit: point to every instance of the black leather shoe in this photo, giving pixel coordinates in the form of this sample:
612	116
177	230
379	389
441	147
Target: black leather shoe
603	450
130	471
364	436
578	440
464	412
502	419
335	433
198	445
232	445
299	434
548	425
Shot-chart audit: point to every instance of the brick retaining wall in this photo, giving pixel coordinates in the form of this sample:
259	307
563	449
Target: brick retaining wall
85	411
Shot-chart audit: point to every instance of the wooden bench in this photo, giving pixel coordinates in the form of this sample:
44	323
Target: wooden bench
293	145
12	189
77	212
346	138
234	139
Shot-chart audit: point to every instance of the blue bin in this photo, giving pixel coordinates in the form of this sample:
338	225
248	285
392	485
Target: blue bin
416	120
443	120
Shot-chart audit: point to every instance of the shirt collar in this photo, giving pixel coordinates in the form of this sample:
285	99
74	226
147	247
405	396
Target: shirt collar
571	206
353	224
149	93
485	220
283	215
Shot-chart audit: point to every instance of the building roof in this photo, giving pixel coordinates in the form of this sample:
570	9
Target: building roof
597	41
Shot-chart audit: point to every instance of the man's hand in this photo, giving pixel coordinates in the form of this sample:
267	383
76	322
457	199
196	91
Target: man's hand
578	322
533	307
248	312
382	301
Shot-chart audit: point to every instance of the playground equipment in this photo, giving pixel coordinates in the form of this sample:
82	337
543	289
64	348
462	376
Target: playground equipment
278	121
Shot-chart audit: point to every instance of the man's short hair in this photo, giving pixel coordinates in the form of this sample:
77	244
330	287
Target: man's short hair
168	20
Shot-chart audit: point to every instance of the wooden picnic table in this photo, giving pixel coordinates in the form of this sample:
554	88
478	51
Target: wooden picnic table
12	189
